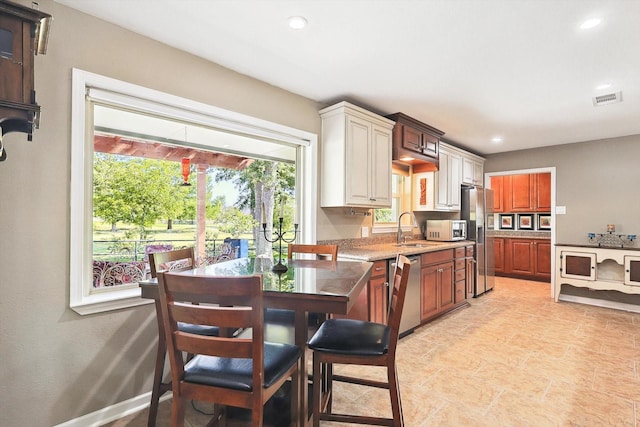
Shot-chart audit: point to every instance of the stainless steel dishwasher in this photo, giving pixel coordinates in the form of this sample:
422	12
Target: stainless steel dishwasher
411	311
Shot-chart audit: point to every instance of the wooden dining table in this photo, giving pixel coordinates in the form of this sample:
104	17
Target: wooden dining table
330	287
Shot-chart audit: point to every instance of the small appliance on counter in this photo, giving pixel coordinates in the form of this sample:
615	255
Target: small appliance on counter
446	230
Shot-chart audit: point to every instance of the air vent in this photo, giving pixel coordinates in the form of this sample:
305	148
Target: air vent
609	98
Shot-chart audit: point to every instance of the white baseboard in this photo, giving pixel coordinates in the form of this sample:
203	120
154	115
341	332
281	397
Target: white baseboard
600	303
113	412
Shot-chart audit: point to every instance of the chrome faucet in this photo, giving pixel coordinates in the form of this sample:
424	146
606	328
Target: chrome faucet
399	240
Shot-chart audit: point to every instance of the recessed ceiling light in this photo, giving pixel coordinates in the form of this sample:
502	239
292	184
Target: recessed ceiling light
590	23
496	139
297	22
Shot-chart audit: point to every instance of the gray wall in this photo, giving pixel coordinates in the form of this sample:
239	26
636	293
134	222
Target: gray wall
54	364
57	365
597	181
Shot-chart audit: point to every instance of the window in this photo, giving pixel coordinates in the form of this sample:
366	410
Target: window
116	126
385	220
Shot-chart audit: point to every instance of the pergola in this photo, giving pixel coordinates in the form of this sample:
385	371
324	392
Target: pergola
202	159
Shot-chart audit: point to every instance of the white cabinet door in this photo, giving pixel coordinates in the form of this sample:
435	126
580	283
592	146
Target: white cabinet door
358	170
449	179
472	171
356	158
380	160
632	270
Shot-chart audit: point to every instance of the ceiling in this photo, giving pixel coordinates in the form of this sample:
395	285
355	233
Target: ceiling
521	70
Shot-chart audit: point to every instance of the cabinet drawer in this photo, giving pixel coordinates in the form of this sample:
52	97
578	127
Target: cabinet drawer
461	274
436	257
459	252
379	268
469	250
460	263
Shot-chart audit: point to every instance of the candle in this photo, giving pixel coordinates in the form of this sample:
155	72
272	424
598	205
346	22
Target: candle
263	219
281	207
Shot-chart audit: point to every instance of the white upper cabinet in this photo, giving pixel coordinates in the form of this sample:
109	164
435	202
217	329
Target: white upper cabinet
356	158
441	190
472	169
448	180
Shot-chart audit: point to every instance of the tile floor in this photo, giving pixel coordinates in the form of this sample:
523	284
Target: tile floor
514	358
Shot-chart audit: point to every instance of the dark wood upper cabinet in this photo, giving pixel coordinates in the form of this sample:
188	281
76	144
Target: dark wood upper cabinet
415	143
23	34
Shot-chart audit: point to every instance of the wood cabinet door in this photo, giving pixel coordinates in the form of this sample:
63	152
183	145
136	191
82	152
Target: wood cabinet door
543	192
471	276
498	247
378	296
12	60
429	305
411	139
497	183
520	193
446	285
543	258
521	256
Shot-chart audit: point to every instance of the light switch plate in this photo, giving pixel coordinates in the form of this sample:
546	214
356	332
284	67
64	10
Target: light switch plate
561	210
365	232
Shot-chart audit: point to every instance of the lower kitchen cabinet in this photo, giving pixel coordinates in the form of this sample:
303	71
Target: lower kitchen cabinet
437	283
378	292
371	304
524	258
470	271
498	260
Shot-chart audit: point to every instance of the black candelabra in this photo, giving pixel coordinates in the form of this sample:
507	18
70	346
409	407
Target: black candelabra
278	237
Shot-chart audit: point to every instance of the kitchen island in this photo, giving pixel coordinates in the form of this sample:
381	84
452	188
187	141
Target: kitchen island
442	279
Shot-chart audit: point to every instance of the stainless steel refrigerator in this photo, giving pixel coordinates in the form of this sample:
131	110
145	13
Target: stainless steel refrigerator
476	207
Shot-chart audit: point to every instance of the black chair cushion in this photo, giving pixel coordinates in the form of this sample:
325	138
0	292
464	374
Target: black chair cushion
237	373
210	331
354	337
279	316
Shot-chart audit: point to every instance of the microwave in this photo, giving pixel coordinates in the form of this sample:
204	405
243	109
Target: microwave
446	230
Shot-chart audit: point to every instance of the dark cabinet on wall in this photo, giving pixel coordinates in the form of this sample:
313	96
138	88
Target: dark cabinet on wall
522	193
415	143
23	34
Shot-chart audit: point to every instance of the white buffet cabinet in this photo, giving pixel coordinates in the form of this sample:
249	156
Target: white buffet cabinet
598	268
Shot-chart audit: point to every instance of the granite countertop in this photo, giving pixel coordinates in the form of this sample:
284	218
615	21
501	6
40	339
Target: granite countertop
376	252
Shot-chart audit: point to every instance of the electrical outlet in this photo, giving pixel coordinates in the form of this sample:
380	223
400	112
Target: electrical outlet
365	232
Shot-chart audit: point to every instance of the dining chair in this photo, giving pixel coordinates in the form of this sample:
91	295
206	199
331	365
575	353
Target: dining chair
172	260
357	342
240	372
320	251
279	322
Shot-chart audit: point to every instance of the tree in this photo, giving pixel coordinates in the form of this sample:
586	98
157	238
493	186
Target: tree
134	190
260	185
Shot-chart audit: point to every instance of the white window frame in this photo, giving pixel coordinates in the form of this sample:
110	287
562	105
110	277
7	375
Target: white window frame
81	298
404	204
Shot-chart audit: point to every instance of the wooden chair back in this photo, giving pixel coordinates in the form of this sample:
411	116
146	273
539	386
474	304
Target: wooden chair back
174	260
241	306
323	252
396	302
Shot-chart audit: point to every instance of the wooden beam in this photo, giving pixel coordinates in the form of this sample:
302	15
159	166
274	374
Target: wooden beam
159	151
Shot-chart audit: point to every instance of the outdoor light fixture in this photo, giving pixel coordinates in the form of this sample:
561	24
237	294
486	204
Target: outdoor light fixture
186	168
